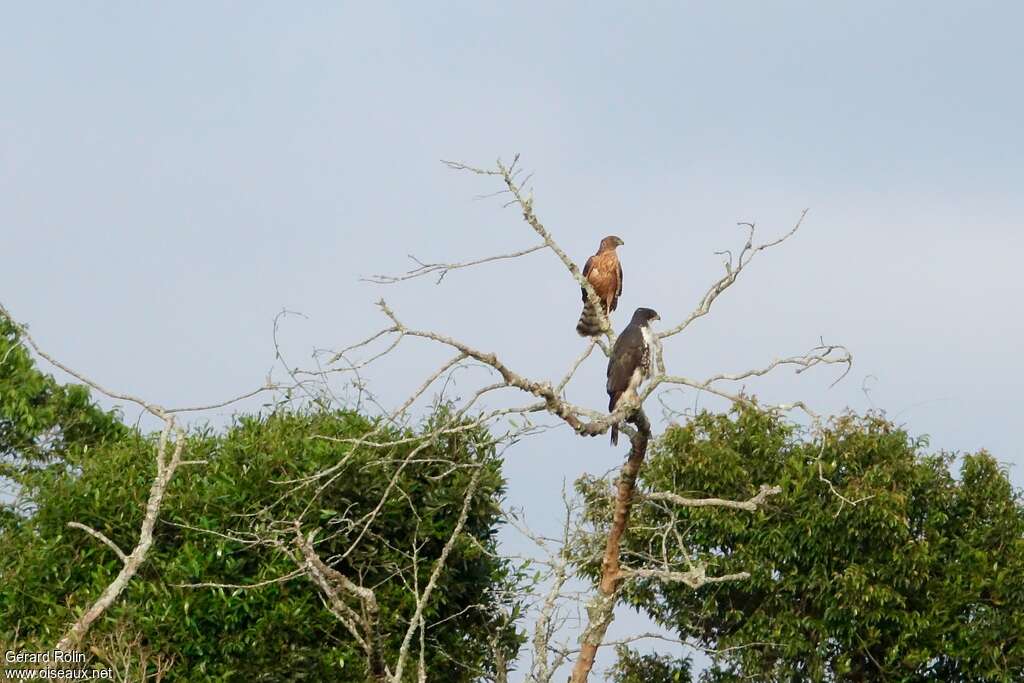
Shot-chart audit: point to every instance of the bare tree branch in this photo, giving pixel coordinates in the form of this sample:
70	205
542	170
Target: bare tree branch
331	583
244	586
733	268
444	268
92	532
152	408
750	505
694	578
165	470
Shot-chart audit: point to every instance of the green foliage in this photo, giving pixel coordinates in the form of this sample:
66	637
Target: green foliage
921	580
632	667
43	424
49	573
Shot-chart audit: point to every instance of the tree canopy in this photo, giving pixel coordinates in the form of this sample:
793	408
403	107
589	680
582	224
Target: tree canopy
43	423
875	562
76	463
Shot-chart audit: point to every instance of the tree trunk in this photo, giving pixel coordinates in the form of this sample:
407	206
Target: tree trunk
602	607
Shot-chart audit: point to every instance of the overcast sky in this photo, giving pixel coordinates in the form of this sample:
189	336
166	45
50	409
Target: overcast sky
174	176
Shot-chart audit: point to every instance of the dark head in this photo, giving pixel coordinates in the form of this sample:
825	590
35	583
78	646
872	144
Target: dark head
644	316
610	242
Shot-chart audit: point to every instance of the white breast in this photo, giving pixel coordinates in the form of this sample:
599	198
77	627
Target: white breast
649	341
648	336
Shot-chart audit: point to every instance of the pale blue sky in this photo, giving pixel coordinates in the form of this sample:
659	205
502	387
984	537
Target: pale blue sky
173	176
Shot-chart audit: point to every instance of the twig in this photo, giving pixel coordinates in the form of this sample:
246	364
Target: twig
444	268
96	534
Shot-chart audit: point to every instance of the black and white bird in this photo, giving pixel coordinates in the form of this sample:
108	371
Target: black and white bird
630	362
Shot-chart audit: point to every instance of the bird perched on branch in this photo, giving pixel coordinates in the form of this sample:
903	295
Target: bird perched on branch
630	362
604	272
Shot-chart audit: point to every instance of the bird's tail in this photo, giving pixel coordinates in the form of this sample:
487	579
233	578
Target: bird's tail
615	435
590	322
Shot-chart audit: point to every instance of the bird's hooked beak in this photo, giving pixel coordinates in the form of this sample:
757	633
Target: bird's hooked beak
618	242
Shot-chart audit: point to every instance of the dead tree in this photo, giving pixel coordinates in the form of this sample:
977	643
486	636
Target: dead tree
547	398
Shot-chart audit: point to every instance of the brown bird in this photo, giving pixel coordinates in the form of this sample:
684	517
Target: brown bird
604	272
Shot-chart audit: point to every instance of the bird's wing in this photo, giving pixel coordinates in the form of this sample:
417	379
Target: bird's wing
586	273
627	356
618	289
